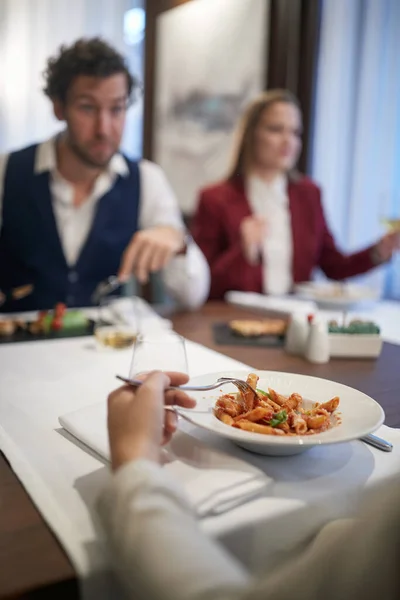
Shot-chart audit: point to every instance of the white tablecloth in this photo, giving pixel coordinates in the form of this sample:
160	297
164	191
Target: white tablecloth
42	380
39	382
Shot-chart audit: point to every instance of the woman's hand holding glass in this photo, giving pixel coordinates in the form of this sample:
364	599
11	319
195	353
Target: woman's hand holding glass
387	245
138	423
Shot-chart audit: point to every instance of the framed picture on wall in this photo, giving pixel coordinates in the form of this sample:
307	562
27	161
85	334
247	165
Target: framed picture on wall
211	60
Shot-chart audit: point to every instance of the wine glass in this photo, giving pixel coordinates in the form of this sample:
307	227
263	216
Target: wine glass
158	351
110	330
391	223
390	212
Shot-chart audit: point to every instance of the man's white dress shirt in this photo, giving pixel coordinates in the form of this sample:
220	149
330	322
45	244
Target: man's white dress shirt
271	201
186	277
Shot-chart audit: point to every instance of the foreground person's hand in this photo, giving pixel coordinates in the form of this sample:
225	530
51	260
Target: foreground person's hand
138	424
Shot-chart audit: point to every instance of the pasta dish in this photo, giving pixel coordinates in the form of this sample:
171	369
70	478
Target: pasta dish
272	413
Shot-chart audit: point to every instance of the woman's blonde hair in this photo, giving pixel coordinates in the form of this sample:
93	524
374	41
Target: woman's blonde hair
243	156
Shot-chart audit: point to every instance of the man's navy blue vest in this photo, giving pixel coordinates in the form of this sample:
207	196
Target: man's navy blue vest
30	247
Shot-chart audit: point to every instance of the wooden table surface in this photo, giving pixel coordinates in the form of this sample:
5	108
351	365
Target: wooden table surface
34	565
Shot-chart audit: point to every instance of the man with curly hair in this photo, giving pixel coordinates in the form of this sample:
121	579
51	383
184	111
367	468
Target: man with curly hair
74	210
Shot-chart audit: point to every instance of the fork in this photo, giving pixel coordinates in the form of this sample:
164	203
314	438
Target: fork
105	287
242	386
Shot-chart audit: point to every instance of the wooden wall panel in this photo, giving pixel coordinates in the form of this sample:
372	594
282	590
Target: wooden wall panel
293	52
153	9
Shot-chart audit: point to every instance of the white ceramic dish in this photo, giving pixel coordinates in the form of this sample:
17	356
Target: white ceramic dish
353	345
335	296
282	306
359	413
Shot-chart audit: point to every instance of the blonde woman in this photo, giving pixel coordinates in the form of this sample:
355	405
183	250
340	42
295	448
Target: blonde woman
263	228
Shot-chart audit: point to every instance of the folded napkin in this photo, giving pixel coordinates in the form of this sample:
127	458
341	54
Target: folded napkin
284	305
214	481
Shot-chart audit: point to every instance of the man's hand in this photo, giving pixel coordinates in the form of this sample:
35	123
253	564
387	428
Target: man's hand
138	424
387	245
252	233
150	250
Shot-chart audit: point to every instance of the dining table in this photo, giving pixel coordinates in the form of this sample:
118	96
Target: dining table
33	564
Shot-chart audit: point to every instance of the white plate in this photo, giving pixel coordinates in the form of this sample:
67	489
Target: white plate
280	305
335	296
359	413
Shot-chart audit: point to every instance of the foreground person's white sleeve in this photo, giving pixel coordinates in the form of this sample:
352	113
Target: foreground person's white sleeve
187	277
350	561
160	552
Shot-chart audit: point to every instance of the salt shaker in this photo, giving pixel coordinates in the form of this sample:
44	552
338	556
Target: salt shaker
317	350
297	334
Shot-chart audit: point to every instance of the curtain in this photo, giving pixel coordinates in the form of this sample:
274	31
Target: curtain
30	32
356	136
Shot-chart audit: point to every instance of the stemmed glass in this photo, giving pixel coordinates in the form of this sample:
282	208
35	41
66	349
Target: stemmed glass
111	332
390	212
391	223
161	351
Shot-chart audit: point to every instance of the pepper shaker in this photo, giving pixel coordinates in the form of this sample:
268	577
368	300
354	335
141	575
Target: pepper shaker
297	334
317	350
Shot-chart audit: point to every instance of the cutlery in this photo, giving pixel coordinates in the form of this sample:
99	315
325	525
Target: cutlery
241	385
377	442
106	287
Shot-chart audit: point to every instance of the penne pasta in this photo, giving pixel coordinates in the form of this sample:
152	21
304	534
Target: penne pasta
331	405
284	426
269	404
248	396
252	380
298	424
223	416
273	413
258	428
293	402
257	414
277	398
231	407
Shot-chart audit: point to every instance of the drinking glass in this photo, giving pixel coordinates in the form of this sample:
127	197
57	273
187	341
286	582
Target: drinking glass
110	330
391	223
390	211
160	351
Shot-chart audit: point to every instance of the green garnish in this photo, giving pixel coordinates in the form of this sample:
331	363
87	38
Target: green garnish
278	418
263	393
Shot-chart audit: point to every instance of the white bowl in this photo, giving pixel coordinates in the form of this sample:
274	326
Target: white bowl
359	414
334	296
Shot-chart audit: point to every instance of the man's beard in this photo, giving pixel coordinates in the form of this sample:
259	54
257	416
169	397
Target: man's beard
85	157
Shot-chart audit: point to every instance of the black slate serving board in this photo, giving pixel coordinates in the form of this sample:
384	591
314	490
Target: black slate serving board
22	335
224	336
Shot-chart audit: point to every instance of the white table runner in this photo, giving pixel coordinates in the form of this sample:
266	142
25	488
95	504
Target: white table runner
42	380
